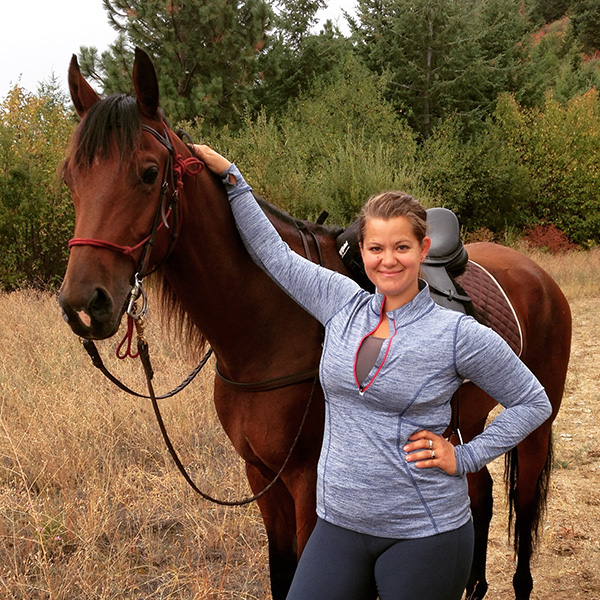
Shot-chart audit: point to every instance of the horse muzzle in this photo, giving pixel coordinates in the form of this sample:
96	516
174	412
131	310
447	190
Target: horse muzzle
91	315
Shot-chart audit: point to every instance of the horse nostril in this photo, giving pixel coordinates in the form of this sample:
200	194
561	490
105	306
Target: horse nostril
100	306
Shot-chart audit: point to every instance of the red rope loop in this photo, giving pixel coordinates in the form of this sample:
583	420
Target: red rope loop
127	340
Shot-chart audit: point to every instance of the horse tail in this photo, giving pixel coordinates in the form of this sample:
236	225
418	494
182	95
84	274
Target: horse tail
511	473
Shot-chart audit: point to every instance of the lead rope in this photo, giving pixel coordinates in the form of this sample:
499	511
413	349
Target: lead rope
135	317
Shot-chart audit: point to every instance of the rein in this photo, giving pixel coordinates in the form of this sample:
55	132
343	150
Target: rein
175	168
144	355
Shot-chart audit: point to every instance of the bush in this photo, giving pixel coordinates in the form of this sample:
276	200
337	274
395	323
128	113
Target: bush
330	150
36	217
549	238
525	167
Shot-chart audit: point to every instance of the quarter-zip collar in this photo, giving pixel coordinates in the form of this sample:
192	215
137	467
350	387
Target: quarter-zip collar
418	307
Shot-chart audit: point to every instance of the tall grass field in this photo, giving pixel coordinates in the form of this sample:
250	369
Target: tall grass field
91	505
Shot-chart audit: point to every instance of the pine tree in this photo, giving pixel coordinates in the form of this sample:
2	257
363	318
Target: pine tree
443	57
298	56
205	53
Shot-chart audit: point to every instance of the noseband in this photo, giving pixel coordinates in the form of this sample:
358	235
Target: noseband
175	168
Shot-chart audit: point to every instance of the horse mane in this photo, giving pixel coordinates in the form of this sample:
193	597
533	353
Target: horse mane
115	118
281	215
174	317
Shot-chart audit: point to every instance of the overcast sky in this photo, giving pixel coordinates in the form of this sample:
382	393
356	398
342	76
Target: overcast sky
38	37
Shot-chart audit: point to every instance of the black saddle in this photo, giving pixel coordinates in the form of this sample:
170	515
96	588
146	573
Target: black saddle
447	256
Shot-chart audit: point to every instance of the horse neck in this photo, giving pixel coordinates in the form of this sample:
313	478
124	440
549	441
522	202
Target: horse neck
226	296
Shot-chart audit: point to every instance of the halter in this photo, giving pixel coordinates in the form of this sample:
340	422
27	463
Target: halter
175	168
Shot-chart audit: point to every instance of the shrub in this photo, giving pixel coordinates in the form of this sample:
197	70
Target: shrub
35	212
549	238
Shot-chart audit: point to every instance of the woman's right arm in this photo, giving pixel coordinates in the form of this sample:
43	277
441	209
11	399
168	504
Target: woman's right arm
318	290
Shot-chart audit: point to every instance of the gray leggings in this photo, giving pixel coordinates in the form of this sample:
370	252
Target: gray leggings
338	564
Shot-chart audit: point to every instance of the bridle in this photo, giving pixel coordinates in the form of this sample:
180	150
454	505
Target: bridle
175	169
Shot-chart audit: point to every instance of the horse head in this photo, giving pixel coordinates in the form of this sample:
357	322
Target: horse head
123	187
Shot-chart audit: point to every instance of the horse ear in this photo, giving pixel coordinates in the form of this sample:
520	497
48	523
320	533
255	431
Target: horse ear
82	94
145	84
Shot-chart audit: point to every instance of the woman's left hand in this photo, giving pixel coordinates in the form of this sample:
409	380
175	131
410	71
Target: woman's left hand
212	159
426	449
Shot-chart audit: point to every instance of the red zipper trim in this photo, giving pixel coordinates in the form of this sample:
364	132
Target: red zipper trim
360	388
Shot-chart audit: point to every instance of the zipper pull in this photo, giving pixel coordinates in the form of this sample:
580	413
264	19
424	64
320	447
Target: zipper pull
361	392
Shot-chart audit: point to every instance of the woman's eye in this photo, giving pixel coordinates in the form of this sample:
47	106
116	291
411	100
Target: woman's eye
150	175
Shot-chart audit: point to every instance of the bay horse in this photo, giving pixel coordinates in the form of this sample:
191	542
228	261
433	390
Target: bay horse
122	163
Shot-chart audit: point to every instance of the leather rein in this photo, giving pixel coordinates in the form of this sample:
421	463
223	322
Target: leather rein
169	207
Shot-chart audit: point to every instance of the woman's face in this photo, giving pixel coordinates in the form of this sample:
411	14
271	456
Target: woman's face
392	256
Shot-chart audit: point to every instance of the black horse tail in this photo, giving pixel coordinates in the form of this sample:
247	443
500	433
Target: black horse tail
511	473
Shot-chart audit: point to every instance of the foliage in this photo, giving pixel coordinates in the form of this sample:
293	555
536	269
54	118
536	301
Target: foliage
443	57
527	167
35	213
480	177
546	11
585	17
562	152
548	238
205	53
295	60
330	150
557	64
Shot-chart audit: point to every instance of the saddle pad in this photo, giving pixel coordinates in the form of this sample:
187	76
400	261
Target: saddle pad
490	301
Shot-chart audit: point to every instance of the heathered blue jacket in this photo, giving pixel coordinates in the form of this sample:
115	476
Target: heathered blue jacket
364	482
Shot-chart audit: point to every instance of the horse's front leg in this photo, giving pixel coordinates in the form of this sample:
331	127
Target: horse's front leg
278	513
480	492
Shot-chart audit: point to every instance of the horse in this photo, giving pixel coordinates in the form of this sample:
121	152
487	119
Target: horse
123	168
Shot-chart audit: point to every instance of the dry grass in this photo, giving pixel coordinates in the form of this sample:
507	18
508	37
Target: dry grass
92	507
577	273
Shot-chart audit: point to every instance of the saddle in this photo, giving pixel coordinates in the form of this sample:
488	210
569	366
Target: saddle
446	258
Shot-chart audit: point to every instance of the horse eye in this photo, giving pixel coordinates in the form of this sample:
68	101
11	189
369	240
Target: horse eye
150	175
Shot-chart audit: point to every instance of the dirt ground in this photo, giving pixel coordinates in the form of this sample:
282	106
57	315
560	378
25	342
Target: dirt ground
567	564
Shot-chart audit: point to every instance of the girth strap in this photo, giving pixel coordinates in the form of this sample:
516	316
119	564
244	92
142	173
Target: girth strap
269	384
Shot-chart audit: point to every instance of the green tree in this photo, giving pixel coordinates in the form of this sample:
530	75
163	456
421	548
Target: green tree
443	57
297	56
556	64
585	19
546	11
205	53
332	148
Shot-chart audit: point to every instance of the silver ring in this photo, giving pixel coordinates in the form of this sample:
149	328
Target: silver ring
432	454
430	444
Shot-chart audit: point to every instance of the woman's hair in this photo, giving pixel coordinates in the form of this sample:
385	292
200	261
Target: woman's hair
389	205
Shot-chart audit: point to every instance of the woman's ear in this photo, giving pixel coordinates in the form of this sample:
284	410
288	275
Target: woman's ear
425	246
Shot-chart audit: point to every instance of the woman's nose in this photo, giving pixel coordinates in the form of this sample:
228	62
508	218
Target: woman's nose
388	257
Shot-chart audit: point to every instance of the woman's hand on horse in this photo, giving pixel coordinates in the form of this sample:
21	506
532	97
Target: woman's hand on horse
426	449
213	160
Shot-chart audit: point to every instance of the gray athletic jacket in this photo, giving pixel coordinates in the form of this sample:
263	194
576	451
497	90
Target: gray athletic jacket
364	482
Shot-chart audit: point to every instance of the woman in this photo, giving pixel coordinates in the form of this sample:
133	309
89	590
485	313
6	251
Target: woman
392	499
